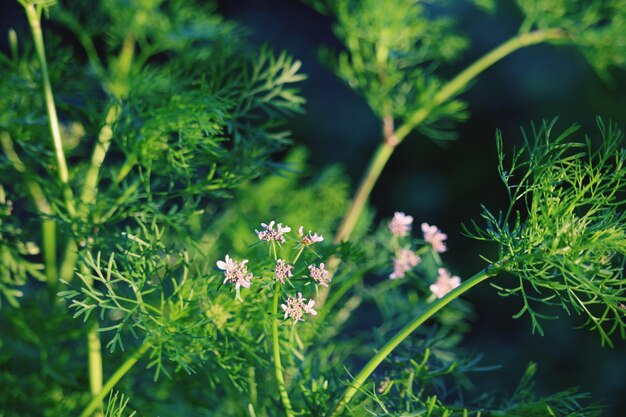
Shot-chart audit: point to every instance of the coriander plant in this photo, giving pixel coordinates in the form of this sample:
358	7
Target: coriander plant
164	250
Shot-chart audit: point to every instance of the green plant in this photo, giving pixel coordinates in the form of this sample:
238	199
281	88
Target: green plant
143	141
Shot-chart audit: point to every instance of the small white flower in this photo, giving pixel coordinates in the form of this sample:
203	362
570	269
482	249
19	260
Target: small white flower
235	272
296	307
320	274
445	283
282	271
308	239
435	237
404	261
269	234
400	225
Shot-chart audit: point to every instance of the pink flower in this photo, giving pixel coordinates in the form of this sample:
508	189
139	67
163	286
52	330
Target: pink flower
308	239
269	234
405	260
435	237
235	272
282	271
320	275
445	283
296	307
400	225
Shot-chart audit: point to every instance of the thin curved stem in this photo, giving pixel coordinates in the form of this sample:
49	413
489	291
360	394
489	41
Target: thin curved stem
34	19
278	368
458	83
115	378
433	308
449	90
382	155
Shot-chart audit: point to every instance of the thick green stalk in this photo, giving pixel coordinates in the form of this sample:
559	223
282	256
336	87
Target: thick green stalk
90	186
34	19
94	351
96	401
94	356
87	198
449	90
70	258
48	225
284	396
433	308
49	241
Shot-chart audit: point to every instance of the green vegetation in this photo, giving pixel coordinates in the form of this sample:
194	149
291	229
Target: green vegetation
163	250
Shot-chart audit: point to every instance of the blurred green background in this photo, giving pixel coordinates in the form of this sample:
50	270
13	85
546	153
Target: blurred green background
445	183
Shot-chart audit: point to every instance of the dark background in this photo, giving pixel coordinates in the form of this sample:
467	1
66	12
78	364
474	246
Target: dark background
445	184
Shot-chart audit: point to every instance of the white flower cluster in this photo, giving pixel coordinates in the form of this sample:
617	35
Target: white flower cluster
269	234
236	272
400	225
320	274
435	237
445	283
297	306
309	239
282	270
406	258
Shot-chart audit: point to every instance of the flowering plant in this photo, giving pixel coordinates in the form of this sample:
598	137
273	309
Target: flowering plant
142	143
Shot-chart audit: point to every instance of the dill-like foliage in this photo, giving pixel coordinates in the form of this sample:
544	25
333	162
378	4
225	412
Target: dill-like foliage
392	52
594	27
564	233
139	143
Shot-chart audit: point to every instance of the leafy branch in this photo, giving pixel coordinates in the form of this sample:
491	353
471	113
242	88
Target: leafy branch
564	233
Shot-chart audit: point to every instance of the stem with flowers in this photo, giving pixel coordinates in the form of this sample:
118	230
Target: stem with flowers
392	138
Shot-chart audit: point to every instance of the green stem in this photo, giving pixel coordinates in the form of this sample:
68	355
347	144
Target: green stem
34	19
458	83
253	386
94	351
337	294
115	378
94	355
90	190
105	136
49	240
48	225
298	255
433	308
128	165
84	38
90	186
379	161
284	396
70	258
450	89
